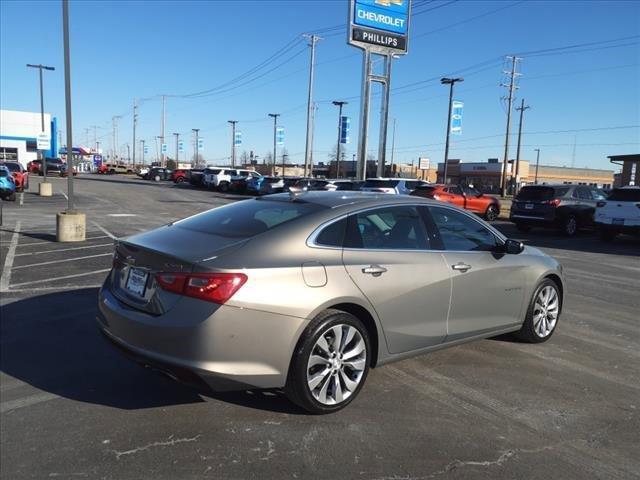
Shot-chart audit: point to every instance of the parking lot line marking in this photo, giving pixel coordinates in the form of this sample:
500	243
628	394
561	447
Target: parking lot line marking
64	277
5	277
27	401
122	215
62	261
50	242
104	230
42	252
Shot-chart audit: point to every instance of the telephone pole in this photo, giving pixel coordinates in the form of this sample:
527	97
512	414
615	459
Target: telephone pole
162	122
275	127
309	141
233	141
339	104
177	142
537	150
195	150
512	88
141	151
135	121
521	109
451	82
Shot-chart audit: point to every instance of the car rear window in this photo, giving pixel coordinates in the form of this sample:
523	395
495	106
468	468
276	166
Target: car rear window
13	167
541	193
248	218
215	171
380	184
625	194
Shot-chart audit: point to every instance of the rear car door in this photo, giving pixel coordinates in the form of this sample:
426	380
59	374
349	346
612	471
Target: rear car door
586	205
388	256
487	287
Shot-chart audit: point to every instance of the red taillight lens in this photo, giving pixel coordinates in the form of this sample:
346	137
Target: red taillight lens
601	204
212	287
554	203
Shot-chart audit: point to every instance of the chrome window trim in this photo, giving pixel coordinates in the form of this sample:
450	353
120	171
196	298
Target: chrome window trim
316	232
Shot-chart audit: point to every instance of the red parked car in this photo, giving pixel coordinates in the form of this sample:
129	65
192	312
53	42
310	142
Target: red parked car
34	166
465	197
19	174
179	176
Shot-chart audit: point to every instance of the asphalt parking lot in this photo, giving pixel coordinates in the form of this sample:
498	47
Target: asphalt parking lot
72	407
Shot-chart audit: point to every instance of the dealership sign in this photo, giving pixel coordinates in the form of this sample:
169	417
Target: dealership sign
381	26
456	117
424	163
43	142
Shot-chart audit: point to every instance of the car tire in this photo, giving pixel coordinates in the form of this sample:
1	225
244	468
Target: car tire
538	326
569	226
608	235
11	197
329	385
180	180
223	187
523	227
492	213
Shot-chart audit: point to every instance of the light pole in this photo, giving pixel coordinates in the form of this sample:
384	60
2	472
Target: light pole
41	67
537	163
233	141
339	104
275	127
142	151
451	82
177	142
195	155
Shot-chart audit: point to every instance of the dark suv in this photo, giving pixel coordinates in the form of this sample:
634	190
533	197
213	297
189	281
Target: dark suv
565	207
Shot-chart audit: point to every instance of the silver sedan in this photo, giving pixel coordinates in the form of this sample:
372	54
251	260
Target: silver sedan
310	291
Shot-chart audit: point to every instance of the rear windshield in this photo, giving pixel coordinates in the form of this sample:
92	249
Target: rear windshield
214	171
625	194
380	184
13	167
541	193
248	218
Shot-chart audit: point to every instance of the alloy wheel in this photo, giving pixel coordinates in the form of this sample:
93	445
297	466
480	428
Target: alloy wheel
545	311
570	226
492	213
336	364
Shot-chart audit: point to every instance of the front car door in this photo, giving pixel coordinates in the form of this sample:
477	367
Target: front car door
387	255
487	287
473	200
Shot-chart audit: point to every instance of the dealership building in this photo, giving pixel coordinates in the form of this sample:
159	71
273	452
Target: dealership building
19	135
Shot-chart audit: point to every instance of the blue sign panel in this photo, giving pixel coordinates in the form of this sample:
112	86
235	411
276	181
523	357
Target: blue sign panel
381	16
97	160
237	141
200	144
164	149
345	127
400	6
146	149
456	117
280	136
180	146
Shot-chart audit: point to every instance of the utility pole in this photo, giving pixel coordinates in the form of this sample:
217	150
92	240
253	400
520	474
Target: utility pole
284	158
115	137
233	142
451	82
41	67
129	152
177	141
339	104
158	152
142	151
393	145
309	141
512	88
521	109
195	154
275	127
95	136
135	121
162	122
537	164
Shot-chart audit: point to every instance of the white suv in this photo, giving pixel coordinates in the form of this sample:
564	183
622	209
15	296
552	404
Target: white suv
220	177
619	213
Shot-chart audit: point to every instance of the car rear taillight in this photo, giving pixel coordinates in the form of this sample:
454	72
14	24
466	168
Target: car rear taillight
554	203
601	204
212	287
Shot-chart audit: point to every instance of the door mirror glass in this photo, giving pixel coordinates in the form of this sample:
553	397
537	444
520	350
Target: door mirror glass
513	247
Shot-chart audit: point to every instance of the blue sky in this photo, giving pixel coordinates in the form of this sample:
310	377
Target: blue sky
125	50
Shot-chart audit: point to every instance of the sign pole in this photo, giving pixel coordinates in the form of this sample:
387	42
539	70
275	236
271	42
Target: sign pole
384	116
364	116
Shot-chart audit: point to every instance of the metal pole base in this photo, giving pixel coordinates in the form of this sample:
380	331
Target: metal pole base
45	189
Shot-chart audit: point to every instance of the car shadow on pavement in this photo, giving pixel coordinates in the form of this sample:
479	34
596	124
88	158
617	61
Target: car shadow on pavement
585	241
50	237
52	343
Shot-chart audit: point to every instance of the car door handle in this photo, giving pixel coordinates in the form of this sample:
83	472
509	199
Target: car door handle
375	270
462	267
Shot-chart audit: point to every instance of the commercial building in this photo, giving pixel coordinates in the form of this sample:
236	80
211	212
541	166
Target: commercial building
19	134
486	176
630	174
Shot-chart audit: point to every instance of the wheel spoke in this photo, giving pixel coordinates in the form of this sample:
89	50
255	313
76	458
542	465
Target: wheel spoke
357	364
315	380
338	389
357	350
317	360
337	338
351	332
322	344
322	396
348	383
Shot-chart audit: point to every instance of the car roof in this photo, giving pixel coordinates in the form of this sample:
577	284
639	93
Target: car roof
343	198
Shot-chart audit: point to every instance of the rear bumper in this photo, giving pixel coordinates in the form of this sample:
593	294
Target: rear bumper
633	228
532	218
231	348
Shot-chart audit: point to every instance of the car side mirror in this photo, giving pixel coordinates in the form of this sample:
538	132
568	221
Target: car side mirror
513	247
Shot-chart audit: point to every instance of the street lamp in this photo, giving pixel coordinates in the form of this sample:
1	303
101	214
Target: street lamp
275	127
40	67
339	104
233	141
451	82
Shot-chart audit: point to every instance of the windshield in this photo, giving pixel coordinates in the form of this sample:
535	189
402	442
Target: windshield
248	218
625	195
380	183
12	167
541	193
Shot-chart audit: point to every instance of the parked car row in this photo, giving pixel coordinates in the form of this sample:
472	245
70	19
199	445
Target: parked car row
19	174
7	184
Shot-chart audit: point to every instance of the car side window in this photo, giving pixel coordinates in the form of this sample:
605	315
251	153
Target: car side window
455	190
460	232
584	193
390	228
470	191
332	235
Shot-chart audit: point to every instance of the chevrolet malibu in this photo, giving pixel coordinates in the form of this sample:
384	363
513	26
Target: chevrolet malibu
309	291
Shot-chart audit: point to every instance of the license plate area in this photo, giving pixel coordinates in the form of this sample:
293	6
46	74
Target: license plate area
528	206
136	281
618	221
